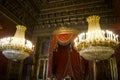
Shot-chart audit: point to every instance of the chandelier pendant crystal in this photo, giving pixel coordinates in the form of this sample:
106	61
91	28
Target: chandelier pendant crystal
17	47
96	44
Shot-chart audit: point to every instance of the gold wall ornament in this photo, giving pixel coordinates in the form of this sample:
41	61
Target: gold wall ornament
17	47
65	30
96	44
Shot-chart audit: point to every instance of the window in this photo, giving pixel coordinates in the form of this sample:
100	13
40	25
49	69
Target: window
45	46
43	68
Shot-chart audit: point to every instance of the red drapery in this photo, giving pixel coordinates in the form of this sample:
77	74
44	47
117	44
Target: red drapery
60	62
64	60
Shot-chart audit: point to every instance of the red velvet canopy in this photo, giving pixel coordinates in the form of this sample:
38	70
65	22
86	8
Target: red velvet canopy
63	59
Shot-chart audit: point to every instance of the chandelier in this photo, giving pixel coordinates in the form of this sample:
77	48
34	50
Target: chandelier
96	44
17	47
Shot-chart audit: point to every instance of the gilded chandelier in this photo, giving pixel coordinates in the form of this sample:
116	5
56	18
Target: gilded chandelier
17	47
96	44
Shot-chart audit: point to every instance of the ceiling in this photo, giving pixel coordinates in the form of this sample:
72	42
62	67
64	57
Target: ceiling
44	16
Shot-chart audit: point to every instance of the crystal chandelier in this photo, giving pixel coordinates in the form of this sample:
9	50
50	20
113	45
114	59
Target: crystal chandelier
17	47
96	44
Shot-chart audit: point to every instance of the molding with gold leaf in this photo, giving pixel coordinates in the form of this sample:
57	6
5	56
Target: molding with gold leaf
65	30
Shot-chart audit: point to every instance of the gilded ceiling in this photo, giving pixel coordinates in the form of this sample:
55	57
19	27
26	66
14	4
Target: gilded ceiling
44	16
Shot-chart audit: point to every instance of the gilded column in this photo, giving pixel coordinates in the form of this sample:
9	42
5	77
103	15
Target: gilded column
113	66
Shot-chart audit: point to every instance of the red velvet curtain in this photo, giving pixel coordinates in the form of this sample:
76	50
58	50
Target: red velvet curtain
77	65
60	62
64	60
